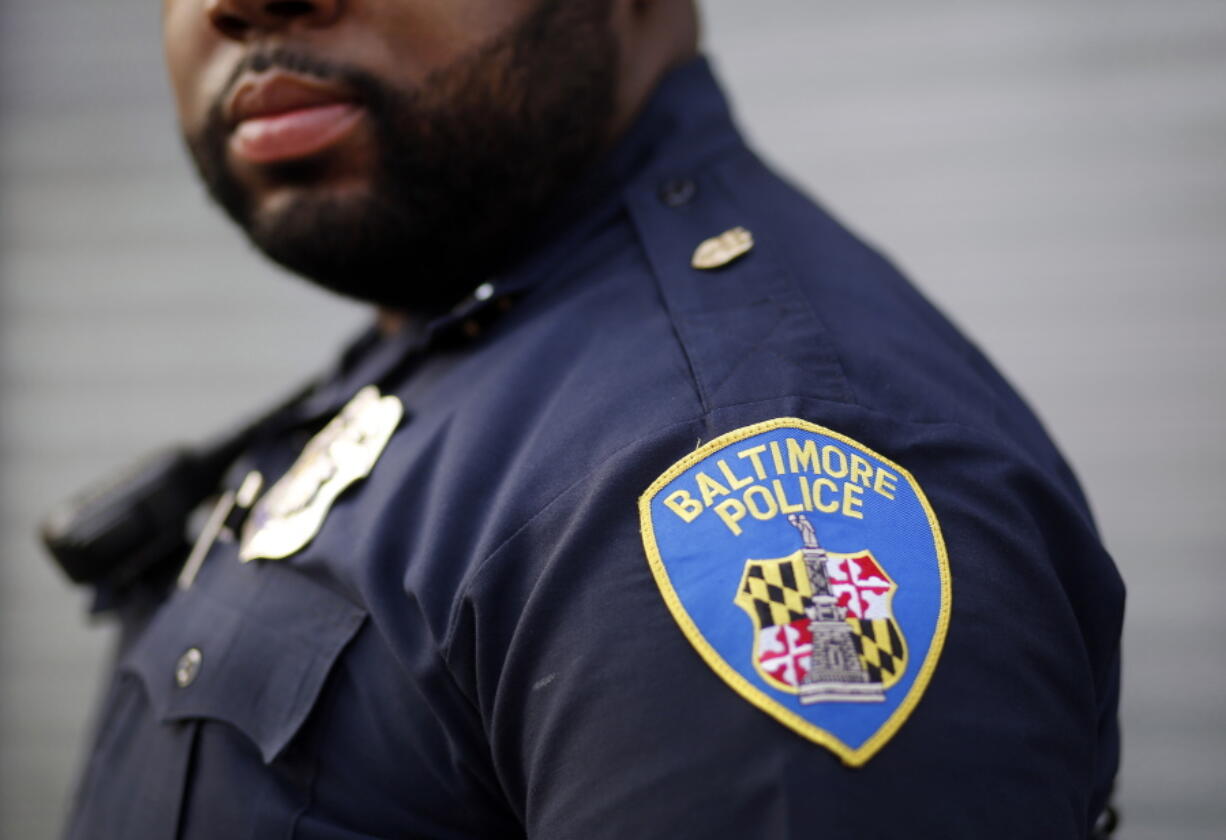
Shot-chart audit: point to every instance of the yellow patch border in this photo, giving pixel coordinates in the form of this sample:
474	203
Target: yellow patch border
756	696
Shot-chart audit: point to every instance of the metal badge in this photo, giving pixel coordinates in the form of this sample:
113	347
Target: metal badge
292	511
719	251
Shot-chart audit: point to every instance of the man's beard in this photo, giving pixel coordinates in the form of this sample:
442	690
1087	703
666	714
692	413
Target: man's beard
467	164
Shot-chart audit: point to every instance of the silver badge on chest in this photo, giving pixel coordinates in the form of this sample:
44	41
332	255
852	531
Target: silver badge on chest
291	513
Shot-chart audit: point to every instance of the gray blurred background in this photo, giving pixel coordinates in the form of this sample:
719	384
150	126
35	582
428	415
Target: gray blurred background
1053	174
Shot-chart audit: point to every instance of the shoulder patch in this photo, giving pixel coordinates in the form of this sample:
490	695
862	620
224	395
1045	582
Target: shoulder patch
809	572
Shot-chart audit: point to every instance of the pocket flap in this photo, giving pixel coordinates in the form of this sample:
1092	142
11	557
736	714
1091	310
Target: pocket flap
255	658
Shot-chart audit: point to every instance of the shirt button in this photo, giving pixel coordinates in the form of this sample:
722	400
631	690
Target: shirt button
188	667
677	192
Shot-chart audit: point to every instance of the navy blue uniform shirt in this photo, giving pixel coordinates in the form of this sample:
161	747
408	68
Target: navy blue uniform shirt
475	644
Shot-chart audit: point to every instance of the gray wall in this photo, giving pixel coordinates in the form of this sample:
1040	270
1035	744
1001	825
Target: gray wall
1051	173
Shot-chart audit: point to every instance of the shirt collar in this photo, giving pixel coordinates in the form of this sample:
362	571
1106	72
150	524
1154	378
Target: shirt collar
683	123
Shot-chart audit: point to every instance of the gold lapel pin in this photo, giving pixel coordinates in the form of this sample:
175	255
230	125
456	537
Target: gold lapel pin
719	251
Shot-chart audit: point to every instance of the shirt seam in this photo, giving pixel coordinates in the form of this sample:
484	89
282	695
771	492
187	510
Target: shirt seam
473	577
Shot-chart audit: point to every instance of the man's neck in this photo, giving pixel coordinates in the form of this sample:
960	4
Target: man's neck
390	321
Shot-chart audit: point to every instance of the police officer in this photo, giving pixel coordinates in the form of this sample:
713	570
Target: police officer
654	503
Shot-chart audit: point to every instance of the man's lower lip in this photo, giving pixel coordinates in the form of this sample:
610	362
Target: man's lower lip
294	134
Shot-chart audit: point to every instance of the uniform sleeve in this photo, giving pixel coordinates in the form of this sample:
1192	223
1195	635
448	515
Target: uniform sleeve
604	719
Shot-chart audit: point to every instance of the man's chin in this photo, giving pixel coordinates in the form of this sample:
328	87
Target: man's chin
288	203
350	241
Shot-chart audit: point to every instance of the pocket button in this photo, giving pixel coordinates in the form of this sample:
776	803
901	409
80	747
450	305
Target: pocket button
188	667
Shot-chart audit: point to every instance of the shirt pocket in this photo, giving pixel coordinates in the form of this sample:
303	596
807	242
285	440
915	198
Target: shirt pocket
242	659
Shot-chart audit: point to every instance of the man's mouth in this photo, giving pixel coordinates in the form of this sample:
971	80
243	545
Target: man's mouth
277	116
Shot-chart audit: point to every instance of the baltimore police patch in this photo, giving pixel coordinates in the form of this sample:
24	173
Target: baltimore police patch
809	572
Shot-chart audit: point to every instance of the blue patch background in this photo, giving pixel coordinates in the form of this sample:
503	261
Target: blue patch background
705	562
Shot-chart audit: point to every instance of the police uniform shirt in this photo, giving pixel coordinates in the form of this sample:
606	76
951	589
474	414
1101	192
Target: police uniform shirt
474	644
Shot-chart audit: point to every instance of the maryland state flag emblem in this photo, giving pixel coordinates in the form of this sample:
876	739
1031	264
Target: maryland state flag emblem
809	572
824	629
